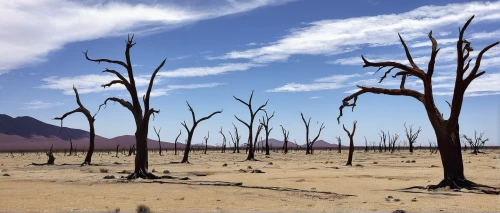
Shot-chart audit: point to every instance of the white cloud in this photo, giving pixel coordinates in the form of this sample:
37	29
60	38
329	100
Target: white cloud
486	35
331	37
316	97
40	105
325	83
166	90
206	71
32	29
181	57
88	83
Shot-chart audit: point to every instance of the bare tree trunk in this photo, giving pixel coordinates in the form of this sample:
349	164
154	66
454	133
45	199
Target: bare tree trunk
351	143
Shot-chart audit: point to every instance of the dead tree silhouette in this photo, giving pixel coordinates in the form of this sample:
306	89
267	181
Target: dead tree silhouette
118	145
309	143
190	132
412	137
265	123
251	156
206	143
71	144
158	135
235	139
339	142
366	144
141	120
223	150
477	143
383	139
446	130
392	142
50	160
175	143
351	142
285	136
90	119
259	129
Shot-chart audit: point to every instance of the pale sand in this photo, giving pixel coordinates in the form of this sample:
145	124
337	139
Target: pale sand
67	188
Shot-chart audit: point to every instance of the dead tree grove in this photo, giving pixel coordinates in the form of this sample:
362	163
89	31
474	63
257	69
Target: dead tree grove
309	143
235	139
446	130
141	117
90	119
412	137
191	131
351	142
251	156
265	123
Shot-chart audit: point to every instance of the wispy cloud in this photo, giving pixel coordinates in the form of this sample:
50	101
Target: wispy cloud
332	37
40	105
181	57
316	97
206	71
326	83
59	22
166	90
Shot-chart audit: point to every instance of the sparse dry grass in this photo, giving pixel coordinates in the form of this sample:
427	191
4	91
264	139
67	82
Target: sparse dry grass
374	185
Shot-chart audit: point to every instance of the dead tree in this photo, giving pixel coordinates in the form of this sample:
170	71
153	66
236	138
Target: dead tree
235	139
447	130
366	145
175	143
351	142
249	125
412	137
285	136
477	143
141	117
206	142
158	135
339	142
118	145
131	150
191	131
392	142
309	143
223	141
50	160
71	144
383	138
259	128
90	119
265	123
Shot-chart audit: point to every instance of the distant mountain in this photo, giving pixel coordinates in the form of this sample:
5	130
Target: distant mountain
29	134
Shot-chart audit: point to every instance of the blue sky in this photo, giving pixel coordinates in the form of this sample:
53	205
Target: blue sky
302	55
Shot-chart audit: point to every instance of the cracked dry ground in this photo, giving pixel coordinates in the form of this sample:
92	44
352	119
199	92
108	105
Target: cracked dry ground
291	182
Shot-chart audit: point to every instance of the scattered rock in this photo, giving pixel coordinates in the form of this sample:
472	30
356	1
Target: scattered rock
143	209
397	200
117	163
184	178
313	188
117	210
375	162
257	171
166	172
358	165
390	197
313	168
218	200
103	170
154	170
399	211
224	165
413	161
199	174
242	170
335	167
433	166
270	163
301	180
6	175
414	200
181	198
407	161
331	161
326	162
109	177
249	167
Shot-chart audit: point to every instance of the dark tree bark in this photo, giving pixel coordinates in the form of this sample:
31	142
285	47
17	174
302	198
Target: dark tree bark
265	123
392	142
117	149
259	129
190	132
383	138
158	135
309	143
141	117
235	139
206	142
351	142
250	148
285	136
223	141
90	119
446	130
71	144
411	137
131	150
366	145
175	143
339	142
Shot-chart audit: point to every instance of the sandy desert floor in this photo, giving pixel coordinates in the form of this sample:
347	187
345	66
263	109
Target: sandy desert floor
319	183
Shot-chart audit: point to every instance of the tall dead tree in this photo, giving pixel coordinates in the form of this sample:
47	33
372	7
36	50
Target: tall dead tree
392	142
259	129
71	144
339	143
265	123
175	143
235	139
90	119
383	139
158	135
191	131
249	125
351	142
206	142
285	136
309	143
477	143
366	145
446	130
223	141
412	137
141	117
